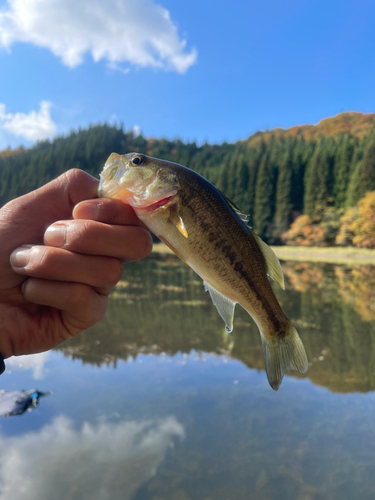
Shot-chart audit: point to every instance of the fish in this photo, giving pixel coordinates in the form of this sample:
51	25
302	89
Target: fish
211	235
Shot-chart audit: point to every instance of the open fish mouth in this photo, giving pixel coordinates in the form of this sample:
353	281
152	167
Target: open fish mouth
139	199
163	202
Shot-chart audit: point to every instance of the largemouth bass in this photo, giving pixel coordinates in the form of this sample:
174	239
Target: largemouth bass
210	233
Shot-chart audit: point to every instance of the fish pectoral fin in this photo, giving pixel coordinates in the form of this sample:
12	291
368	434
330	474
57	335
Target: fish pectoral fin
273	264
224	306
176	219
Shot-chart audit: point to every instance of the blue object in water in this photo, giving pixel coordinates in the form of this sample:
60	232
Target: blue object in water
14	403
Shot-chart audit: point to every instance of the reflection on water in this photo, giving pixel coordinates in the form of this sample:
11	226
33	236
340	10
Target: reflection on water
105	461
161	306
158	402
34	362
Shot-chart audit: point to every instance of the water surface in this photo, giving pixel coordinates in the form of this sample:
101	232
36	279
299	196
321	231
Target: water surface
157	402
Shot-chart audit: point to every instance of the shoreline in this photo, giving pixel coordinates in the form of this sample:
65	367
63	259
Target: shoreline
329	255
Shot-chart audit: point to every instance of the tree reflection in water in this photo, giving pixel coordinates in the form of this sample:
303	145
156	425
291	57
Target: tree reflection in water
160	306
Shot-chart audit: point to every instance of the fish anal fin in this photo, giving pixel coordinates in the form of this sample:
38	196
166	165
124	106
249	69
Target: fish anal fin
282	354
224	306
273	264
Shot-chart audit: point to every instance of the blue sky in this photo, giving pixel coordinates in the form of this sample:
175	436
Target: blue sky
199	70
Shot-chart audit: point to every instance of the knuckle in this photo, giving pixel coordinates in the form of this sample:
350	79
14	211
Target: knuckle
41	259
74	175
100	309
95	310
114	272
144	244
77	231
81	294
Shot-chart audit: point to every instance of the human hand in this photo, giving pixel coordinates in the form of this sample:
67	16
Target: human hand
55	279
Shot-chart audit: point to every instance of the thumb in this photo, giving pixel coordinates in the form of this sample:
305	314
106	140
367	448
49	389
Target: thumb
25	219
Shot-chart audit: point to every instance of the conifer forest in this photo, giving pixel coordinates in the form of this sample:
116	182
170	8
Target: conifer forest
304	186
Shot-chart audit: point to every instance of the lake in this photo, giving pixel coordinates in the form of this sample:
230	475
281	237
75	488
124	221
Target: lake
158	402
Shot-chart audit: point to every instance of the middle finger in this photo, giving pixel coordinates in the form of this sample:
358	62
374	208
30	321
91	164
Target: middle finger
56	264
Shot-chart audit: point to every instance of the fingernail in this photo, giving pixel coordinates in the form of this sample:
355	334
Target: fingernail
55	235
86	210
20	256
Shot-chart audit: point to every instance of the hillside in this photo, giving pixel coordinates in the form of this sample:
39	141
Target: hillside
319	171
350	122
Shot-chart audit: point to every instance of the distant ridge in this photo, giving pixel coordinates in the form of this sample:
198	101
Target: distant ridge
352	122
8	152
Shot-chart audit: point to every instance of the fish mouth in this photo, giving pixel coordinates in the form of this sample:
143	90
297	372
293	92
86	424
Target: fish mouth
163	202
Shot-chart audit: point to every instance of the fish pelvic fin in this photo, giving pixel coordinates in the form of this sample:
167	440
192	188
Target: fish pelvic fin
283	353
273	264
224	306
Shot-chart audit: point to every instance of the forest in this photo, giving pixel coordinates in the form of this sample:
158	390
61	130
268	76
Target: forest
302	186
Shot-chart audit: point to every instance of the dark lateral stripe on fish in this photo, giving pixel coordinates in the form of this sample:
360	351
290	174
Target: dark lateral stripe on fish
238	267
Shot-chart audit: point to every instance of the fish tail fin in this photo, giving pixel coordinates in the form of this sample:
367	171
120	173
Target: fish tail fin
283	353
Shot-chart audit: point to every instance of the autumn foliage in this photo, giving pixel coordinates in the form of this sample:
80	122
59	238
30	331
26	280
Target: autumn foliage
319	230
304	233
331	227
364	226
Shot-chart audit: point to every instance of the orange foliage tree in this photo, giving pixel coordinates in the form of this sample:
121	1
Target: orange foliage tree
364	226
358	224
321	230
345	234
304	232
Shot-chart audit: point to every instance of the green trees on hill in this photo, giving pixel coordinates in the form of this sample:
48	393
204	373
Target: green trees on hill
284	193
363	178
273	177
264	208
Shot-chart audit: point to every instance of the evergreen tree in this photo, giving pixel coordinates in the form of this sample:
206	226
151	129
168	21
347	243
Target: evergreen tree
284	189
363	178
342	170
319	178
253	159
222	182
265	199
242	181
301	152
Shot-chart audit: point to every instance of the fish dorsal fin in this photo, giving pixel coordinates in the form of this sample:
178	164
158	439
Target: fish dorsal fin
273	264
224	306
240	213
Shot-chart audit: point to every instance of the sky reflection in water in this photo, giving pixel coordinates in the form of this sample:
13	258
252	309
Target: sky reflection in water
158	402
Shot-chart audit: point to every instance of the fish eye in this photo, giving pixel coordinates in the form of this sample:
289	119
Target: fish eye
137	160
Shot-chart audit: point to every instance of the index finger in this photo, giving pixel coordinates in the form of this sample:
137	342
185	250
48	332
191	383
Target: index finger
108	211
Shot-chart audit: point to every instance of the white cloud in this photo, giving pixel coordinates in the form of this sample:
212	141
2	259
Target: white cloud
109	460
139	32
34	362
34	126
136	130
